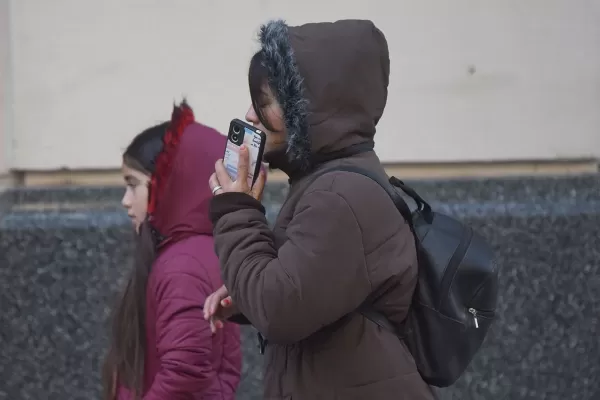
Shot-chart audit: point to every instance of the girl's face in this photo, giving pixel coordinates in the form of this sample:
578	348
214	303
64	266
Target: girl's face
135	199
270	108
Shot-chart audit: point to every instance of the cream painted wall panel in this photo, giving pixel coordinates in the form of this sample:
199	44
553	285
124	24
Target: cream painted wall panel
88	75
5	79
91	74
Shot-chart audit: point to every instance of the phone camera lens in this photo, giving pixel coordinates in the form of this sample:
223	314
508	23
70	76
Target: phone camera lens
235	136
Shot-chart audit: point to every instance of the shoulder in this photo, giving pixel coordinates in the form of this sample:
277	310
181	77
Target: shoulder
358	191
194	255
364	199
192	260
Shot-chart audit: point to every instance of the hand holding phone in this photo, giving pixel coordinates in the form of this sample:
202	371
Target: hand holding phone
247	162
254	140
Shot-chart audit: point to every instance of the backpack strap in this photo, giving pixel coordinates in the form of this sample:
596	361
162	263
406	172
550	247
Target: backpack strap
422	206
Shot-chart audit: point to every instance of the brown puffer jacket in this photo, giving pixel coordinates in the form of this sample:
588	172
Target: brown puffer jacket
337	241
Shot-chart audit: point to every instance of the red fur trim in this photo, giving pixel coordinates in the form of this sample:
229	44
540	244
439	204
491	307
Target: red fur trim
182	117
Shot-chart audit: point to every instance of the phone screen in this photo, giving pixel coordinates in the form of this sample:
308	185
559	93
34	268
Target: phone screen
252	140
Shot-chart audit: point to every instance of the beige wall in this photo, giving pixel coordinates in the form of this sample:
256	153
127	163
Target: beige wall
4	89
471	80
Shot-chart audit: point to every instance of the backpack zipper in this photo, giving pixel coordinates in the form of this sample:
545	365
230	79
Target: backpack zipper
474	312
478	314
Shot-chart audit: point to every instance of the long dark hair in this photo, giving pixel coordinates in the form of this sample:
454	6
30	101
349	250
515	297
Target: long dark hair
258	77
124	363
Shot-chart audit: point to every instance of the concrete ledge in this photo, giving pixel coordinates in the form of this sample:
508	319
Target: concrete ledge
6	184
68	178
406	170
7	181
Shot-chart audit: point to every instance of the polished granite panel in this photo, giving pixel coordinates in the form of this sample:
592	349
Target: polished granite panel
63	253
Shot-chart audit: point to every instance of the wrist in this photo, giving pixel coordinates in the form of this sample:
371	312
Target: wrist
230	202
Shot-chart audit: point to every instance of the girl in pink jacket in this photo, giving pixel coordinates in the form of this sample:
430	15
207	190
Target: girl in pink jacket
161	346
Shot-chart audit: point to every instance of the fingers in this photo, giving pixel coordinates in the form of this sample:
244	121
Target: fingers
209	307
227	302
215	325
215	300
216	318
213	182
243	164
222	292
223	178
259	185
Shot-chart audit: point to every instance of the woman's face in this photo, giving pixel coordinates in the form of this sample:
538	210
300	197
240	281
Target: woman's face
135	199
270	108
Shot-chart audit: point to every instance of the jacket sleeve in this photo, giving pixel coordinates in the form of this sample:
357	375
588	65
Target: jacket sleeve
239	319
123	393
231	366
316	277
183	337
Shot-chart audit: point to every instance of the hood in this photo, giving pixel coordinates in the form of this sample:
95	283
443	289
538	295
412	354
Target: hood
331	80
179	191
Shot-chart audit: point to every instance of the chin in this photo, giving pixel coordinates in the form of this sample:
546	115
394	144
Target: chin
275	147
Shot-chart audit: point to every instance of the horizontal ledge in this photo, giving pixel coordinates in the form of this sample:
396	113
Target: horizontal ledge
81	218
111	177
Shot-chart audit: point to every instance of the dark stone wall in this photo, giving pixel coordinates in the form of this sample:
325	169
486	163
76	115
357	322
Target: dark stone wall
64	252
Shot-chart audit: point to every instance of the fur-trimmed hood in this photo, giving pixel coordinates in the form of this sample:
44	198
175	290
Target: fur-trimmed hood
331	80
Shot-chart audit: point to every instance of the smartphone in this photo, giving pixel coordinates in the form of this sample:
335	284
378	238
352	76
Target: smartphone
254	139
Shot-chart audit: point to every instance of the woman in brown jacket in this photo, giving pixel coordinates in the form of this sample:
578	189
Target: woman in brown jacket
318	91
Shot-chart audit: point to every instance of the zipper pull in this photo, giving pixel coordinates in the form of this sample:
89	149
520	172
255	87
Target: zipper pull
262	343
474	313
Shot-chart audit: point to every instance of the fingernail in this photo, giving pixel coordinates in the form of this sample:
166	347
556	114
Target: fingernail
226	302
243	147
219	324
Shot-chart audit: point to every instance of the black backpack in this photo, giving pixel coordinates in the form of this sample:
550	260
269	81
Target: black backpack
455	299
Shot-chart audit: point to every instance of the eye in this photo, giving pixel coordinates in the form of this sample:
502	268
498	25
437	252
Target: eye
263	102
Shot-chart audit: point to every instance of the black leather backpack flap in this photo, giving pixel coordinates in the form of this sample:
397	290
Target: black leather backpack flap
459	271
478	275
439	241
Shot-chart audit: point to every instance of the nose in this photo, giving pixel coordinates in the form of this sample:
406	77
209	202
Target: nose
125	201
251	116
